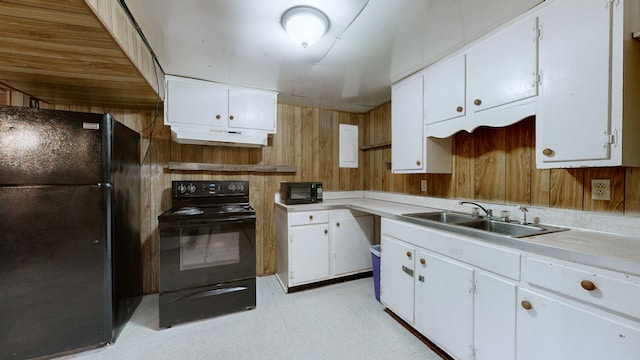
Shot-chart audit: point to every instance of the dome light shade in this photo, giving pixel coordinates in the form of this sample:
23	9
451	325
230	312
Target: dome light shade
305	25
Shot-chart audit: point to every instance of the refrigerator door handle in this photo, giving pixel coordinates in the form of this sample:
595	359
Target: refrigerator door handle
107	185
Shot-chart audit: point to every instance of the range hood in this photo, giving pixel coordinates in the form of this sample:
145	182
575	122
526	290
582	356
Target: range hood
199	135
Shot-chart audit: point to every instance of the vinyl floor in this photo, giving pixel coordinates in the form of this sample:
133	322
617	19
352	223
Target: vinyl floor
338	321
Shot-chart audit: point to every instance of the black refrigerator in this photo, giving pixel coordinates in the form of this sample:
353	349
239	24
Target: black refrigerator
70	264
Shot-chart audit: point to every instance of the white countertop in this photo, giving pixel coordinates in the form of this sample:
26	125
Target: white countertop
617	252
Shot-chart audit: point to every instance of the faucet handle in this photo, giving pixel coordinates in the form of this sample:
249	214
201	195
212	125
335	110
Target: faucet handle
523	213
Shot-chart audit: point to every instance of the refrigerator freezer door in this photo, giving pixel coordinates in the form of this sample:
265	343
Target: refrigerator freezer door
54	273
50	147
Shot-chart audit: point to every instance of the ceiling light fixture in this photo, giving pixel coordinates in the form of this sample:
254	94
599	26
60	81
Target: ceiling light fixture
305	24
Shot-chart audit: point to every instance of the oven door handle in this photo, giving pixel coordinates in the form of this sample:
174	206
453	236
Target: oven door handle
214	292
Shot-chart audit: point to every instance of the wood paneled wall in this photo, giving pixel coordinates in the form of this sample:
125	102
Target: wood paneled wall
491	164
498	165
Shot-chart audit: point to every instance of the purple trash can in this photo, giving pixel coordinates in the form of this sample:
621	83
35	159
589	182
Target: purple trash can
375	262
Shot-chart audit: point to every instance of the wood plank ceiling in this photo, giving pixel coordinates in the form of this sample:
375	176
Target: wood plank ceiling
58	51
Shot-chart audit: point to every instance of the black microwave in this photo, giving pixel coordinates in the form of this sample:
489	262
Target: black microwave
300	192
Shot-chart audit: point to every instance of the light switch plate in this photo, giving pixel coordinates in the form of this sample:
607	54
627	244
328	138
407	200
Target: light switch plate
600	189
423	185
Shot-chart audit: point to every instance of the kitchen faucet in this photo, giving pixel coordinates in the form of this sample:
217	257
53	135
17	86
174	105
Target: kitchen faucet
489	212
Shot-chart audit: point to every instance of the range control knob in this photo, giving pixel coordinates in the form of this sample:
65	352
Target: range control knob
191	188
181	188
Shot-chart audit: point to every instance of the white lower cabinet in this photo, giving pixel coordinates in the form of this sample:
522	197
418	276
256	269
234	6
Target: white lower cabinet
313	246
495	317
573	311
438	282
396	276
550	328
444	302
351	234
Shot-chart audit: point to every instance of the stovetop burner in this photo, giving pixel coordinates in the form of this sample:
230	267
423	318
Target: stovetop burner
193	200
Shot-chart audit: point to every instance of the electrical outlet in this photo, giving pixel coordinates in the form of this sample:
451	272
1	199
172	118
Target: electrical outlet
600	189
423	185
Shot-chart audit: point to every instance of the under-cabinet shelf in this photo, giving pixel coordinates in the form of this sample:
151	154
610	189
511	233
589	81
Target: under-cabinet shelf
375	146
190	166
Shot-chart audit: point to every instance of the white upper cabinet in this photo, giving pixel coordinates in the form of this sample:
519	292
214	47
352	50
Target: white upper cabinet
202	112
444	90
493	82
588	110
411	151
407	139
502	69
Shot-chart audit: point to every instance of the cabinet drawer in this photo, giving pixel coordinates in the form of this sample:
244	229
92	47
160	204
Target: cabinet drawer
614	291
308	217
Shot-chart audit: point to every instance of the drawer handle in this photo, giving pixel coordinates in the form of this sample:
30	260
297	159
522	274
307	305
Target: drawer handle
459	109
338	224
326	231
407	270
310	217
418	163
231	117
547	152
588	285
423	261
526	305
409	254
477	102
218	117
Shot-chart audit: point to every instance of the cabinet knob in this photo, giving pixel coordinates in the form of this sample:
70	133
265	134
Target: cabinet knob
459	109
231	117
338	224
409	254
477	102
418	163
310	217
218	117
547	152
526	305
588	285
326	231
423	261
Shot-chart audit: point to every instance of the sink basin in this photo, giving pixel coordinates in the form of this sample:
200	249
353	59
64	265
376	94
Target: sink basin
505	228
443	217
453	220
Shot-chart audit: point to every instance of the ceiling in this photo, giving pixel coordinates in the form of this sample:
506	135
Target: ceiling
370	44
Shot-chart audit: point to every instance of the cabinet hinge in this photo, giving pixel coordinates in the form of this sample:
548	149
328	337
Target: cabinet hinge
473	353
474	288
539	32
610	138
291	276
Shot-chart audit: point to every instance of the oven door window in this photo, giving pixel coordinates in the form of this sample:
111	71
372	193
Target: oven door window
208	249
202	253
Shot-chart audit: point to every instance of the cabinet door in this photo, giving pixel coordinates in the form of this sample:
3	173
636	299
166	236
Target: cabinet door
407	126
396	277
308	253
553	329
495	318
252	110
195	102
352	236
444	303
503	68
444	90
574	104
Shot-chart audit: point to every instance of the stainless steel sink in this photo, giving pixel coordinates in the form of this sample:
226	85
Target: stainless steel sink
443	217
455	220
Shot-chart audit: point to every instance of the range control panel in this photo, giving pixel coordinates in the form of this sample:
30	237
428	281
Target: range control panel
185	189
